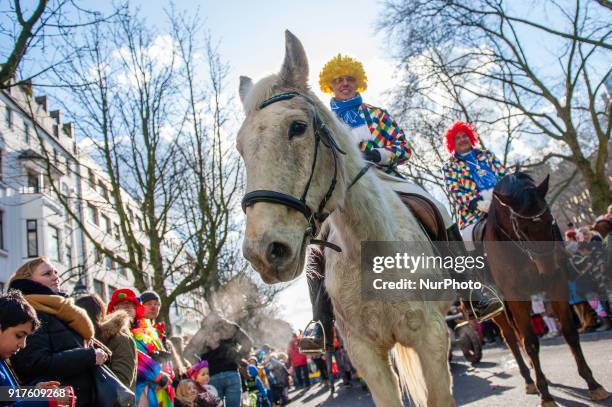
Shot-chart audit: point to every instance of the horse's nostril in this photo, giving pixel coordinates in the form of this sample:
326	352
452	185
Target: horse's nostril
277	252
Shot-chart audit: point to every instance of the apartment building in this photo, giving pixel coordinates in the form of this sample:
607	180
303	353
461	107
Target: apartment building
33	221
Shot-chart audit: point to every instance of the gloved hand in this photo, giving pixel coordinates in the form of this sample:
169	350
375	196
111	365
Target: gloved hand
372	156
483	205
473	205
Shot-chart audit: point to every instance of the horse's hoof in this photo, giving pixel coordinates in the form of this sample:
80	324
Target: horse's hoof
530	388
548	403
598	394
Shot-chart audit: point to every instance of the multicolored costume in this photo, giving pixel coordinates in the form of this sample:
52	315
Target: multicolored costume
152	361
469	176
375	129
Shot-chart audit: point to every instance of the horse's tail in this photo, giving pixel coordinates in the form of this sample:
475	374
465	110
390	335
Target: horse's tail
412	380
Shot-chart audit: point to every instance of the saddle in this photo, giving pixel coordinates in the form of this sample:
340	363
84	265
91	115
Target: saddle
427	215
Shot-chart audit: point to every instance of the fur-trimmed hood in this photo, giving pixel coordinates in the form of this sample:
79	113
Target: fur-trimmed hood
113	324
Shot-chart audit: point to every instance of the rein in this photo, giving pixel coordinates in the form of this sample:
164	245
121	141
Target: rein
522	239
322	135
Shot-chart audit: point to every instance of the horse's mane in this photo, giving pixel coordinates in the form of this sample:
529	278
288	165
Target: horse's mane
517	188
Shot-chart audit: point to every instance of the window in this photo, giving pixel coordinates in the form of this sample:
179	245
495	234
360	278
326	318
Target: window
99	288
92	178
33	182
111	290
55	158
92	214
117	231
106	224
54	243
121	270
8	117
1	165
32	237
108	263
131	215
138	223
2	230
98	255
102	190
68	257
26	132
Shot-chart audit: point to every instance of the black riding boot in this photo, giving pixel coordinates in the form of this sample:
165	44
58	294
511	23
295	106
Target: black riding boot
477	304
322	310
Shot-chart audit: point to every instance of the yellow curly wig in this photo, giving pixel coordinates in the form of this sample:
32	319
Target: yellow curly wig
342	66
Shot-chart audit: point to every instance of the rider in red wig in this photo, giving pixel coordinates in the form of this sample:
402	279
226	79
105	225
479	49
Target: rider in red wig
455	129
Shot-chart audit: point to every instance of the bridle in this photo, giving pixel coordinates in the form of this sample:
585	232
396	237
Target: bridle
521	240
322	135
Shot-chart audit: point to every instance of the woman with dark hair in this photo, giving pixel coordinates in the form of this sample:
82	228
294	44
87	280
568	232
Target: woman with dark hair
60	349
113	330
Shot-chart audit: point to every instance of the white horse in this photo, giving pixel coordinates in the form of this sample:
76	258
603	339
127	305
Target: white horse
293	147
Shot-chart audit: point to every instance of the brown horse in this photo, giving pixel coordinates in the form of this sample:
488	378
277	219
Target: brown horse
526	256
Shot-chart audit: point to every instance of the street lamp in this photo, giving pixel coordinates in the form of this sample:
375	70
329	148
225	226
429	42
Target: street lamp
80	288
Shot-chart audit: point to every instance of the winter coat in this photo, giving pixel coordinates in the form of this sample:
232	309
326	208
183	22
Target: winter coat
114	332
55	351
296	358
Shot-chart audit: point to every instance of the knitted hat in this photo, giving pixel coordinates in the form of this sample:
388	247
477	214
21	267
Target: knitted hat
195	369
125	294
148	296
342	66
456	128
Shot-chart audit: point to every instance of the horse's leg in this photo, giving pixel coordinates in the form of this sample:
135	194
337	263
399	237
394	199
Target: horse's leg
509	336
521	311
563	312
433	356
374	366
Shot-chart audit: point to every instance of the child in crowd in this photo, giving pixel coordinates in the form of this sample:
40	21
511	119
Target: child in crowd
186	393
200	375
257	392
17	321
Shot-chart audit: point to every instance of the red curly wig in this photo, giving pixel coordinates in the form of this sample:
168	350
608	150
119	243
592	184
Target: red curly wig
455	129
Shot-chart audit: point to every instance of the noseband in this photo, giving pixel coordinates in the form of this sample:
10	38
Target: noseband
522	240
322	134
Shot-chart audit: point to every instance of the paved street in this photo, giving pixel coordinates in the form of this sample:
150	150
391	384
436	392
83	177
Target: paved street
496	382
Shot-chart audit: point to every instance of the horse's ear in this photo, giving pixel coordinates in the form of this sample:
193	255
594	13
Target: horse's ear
543	187
502	198
294	72
245	87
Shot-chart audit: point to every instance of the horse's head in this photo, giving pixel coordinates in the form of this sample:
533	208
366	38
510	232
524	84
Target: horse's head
520	210
292	164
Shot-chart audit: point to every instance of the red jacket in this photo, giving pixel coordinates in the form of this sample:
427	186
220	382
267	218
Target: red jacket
295	357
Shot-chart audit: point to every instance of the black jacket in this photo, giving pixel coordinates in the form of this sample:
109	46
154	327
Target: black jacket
55	352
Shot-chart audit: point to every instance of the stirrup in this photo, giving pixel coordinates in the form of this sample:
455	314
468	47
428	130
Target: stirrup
310	328
482	318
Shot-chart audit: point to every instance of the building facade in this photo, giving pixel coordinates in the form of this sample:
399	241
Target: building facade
39	157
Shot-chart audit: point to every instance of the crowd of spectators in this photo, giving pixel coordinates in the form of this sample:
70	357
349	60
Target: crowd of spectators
117	353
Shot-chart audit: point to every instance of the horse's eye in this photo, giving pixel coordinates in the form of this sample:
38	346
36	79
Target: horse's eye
297	128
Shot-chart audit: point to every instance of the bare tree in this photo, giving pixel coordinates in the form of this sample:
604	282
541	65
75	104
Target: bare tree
484	49
40	32
136	98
